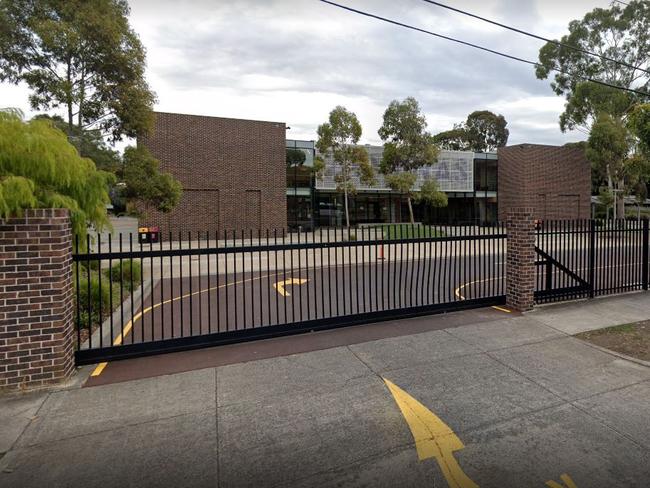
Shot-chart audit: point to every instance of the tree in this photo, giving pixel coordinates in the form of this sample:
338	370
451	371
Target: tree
452	140
620	33
606	199
140	164
639	125
295	157
89	143
483	131
486	131
403	183
618	152
607	150
81	55
407	147
339	137
144	183
430	193
40	168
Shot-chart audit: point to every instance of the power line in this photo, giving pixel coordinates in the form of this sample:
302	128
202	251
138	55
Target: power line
482	48
535	36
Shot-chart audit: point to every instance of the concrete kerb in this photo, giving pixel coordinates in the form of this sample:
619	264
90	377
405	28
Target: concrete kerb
103	333
618	354
125	309
540	309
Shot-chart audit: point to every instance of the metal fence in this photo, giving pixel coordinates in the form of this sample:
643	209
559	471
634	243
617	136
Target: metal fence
588	258
205	289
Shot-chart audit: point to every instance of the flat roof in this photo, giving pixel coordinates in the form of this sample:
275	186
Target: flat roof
218	117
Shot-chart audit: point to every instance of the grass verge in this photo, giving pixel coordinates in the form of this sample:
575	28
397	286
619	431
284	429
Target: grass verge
629	339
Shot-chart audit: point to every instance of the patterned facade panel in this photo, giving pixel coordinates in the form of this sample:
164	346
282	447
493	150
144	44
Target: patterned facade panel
454	172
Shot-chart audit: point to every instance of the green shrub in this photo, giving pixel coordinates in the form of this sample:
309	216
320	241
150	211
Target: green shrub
129	275
93	300
633	212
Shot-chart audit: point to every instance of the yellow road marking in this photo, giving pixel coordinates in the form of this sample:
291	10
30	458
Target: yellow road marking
98	370
433	438
279	285
127	328
501	309
458	294
457	291
566	479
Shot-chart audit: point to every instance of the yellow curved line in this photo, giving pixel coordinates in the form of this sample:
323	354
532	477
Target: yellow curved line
129	325
461	297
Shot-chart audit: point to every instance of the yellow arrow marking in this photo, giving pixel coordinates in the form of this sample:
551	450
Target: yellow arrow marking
433	438
279	285
566	479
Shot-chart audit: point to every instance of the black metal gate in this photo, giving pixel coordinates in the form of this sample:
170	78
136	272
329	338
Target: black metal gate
588	258
201	290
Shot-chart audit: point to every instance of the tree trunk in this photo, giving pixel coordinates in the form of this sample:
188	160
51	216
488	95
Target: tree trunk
620	203
82	92
610	187
408	200
620	208
347	214
69	94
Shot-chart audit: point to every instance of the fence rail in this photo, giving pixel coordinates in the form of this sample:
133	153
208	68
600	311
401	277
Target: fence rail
216	288
588	258
135	299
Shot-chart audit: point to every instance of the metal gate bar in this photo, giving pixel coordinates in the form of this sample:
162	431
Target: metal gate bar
224	287
589	258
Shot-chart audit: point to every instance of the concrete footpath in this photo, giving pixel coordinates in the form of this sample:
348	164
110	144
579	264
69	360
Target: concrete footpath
513	401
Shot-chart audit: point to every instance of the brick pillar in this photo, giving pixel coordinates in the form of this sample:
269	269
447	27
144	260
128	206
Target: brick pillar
520	259
36	299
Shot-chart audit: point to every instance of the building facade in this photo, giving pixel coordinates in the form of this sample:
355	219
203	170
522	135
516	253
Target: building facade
469	180
300	187
555	181
235	177
233	173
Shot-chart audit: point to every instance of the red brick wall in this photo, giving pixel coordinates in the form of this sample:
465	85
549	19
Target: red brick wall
36	299
554	181
225	166
520	259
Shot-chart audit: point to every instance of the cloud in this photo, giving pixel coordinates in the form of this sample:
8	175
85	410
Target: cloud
294	60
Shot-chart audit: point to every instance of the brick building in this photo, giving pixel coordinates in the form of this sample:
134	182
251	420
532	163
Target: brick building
232	171
554	181
234	177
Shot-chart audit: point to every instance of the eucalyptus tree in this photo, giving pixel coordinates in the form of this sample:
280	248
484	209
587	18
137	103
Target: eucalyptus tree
339	137
407	147
482	131
610	46
485	131
79	55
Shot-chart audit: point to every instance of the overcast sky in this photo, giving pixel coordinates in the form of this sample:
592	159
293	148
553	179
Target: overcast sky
294	60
